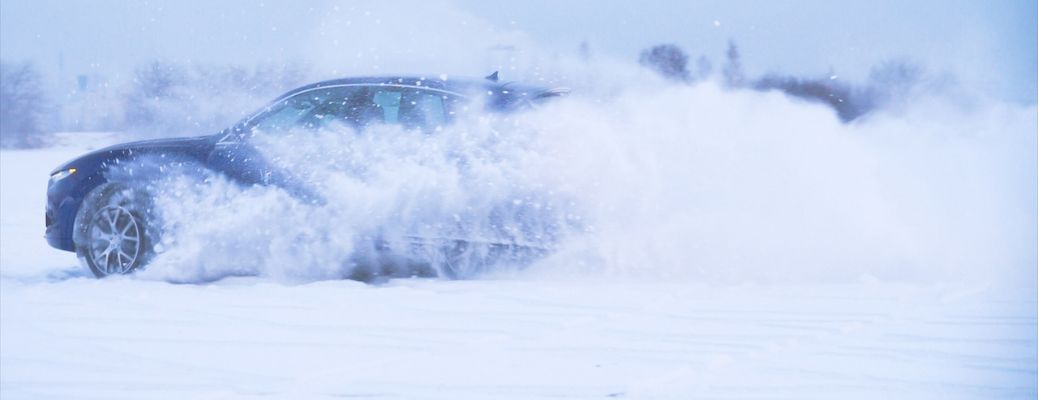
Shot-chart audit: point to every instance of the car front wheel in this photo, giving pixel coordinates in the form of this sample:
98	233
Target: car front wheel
113	234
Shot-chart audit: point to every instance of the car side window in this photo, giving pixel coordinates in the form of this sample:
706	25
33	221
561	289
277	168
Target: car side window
357	107
388	102
413	107
422	108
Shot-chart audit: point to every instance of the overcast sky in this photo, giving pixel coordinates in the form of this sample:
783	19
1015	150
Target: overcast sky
990	45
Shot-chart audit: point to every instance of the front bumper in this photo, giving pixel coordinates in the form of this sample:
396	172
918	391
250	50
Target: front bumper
63	199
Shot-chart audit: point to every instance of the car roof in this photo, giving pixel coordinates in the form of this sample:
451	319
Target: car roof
499	94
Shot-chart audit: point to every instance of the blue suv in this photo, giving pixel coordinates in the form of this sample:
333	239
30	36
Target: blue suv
107	217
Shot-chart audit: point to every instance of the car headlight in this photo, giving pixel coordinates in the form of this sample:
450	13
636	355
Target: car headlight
62	174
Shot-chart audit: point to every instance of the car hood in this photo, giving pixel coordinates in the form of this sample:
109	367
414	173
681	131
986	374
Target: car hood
185	145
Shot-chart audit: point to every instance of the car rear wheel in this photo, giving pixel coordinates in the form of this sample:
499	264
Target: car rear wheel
465	260
114	230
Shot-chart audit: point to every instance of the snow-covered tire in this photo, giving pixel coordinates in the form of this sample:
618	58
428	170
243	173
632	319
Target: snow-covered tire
462	260
116	230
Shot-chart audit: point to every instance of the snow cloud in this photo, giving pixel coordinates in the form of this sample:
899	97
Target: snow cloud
654	181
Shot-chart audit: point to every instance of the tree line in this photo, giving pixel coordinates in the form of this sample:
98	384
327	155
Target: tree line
888	83
166	98
160	99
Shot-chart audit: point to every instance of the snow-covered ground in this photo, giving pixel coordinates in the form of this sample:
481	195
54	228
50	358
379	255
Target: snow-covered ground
523	335
122	338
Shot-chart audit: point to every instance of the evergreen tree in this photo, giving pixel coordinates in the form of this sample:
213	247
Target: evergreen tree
733	75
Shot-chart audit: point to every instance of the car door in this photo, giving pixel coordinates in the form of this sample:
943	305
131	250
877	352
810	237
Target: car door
313	109
413	107
355	106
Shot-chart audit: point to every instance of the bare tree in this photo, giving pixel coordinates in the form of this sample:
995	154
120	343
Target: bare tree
95	105
22	105
155	88
174	99
668	60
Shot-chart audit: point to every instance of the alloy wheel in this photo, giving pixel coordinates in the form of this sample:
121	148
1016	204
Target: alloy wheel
115	240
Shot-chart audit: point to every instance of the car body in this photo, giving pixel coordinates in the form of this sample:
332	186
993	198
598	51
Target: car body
103	216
